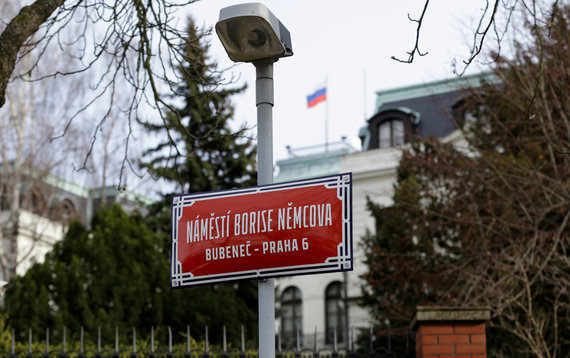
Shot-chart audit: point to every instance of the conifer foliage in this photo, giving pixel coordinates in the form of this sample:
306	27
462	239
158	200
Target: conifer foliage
210	155
111	275
115	275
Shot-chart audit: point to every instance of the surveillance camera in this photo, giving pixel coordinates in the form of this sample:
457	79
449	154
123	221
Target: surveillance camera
250	32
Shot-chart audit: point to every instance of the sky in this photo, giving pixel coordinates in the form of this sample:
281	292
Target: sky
348	46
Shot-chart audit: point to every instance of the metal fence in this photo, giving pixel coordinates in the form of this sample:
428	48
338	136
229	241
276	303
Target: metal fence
186	349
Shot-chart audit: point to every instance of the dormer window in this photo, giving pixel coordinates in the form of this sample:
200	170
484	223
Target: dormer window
391	133
469	111
64	211
392	127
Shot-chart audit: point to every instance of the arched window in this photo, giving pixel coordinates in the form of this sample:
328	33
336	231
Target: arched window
291	315
392	127
34	201
4	204
334	312
64	211
470	110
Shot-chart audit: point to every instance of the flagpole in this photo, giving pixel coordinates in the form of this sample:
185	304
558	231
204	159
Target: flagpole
327	115
364	93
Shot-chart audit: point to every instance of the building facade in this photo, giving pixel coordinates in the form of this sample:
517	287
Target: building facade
320	307
45	205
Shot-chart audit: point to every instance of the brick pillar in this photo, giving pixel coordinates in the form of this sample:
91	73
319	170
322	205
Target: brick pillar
450	332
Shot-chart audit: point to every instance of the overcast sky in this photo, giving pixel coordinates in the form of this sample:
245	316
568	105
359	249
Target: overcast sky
349	44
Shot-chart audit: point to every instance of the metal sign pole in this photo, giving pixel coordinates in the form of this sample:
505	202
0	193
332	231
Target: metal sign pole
266	287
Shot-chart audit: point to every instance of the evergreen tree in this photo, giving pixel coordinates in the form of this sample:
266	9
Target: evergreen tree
488	224
110	276
212	156
115	275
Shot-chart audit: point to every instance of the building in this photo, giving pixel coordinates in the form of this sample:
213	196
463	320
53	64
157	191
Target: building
320	306
45	205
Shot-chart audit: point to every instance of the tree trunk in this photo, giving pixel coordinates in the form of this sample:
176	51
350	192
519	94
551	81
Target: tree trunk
20	28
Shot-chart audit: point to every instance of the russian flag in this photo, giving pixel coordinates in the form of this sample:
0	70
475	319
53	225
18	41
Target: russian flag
317	97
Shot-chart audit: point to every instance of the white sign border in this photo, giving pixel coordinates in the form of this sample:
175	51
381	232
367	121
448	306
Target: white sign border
342	262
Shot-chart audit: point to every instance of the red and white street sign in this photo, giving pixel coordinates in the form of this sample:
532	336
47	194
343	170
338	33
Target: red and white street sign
284	229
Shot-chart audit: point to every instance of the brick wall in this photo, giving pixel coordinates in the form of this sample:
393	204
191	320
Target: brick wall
450	332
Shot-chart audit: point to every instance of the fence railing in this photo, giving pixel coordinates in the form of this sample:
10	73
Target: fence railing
186	349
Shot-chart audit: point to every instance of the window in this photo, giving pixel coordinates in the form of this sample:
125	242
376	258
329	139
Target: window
4	204
291	315
469	111
64	211
391	133
34	201
392	127
334	313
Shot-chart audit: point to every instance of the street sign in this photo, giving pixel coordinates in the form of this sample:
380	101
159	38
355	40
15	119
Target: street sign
285	229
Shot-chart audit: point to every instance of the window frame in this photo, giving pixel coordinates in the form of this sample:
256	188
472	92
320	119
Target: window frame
390	115
296	303
339	316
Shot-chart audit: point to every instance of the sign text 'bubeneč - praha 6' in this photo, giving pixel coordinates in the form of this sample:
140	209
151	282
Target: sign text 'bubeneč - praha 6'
283	229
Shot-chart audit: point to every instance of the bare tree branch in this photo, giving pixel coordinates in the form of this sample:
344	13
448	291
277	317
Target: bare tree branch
134	47
479	36
416	48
